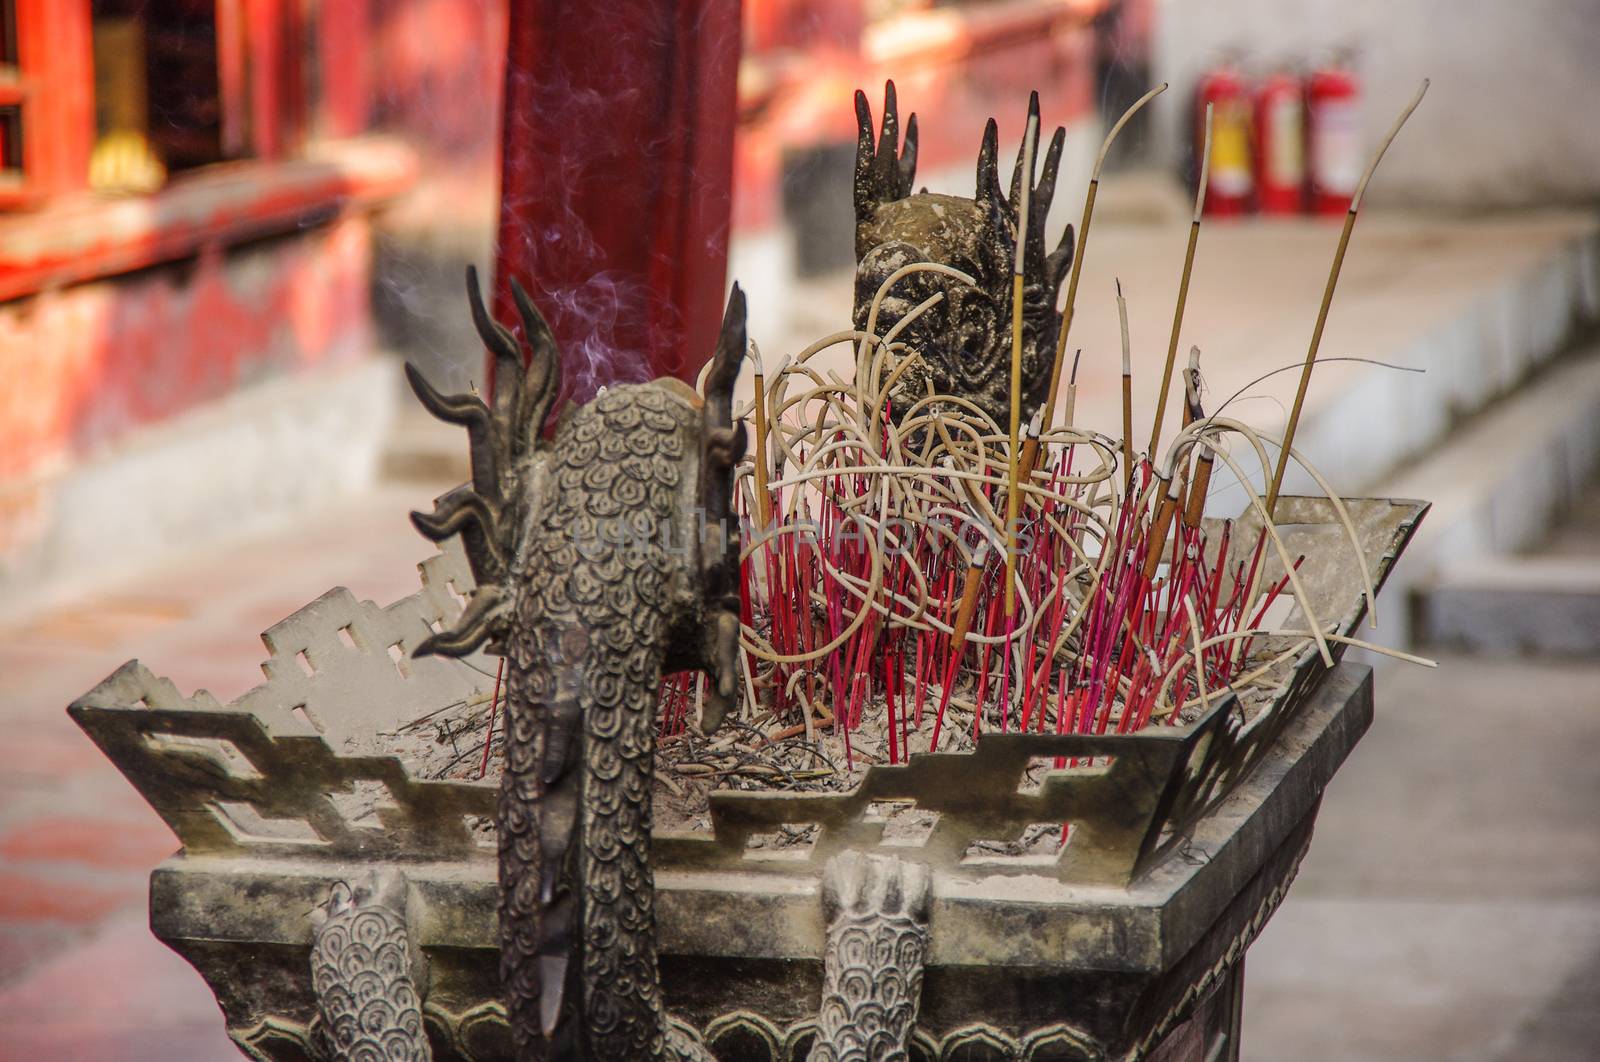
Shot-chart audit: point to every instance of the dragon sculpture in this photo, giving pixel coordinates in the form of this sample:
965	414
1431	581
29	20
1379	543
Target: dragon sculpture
964	342
602	557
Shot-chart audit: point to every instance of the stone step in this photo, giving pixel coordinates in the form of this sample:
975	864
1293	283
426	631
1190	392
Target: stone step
1515	605
1480	304
1497	485
1546	601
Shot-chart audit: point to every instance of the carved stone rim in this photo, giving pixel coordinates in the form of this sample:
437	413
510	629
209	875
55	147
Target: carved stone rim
990	919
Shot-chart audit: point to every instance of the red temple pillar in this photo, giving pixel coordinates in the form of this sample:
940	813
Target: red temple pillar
616	170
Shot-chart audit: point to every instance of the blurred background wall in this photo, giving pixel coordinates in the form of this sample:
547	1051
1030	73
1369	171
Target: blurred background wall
441	66
217	218
1510	119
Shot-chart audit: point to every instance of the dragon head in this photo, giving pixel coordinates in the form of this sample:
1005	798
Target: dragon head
510	468
964	341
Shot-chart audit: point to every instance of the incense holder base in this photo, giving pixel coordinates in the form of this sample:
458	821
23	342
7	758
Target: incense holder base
1017	967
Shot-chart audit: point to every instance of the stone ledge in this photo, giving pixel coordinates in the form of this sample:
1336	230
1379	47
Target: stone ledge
248	461
1497	483
1546	605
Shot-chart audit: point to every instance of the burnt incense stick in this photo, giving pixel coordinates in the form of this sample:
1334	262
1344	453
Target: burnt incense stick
965	611
1030	447
1155	544
1202	466
1327	299
1030	140
1072	389
1077	257
1183	289
1127	392
763	495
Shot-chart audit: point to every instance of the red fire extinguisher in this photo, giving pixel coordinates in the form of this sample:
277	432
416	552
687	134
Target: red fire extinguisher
1333	106
1231	182
1280	144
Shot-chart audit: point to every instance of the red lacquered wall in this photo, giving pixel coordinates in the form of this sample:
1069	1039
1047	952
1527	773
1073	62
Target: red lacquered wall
617	159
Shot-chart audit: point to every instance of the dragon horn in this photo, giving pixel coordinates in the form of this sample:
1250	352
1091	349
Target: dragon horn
465	410
1045	191
988	190
501	343
731	343
541	382
885	168
866	201
886	162
723	445
908	157
484	619
1060	260
469	411
453	513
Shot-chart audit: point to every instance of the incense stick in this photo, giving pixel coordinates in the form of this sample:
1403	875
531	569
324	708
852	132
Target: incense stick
1162	523
1127	392
1077	258
970	587
1072	389
1128	636
1183	289
763	497
1327	299
1201	483
1014	491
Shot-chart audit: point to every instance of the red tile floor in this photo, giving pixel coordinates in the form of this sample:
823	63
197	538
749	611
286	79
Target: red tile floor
81	978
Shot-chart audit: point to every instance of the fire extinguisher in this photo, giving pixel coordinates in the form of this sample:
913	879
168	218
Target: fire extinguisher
1231	182
1333	106
1280	144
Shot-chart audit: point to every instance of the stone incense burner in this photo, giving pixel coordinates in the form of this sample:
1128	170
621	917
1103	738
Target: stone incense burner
1127	945
344	902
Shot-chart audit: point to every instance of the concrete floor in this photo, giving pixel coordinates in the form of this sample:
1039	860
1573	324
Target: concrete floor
81	978
1450	906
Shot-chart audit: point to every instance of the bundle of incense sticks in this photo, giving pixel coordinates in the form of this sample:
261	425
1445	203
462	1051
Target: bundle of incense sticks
919	576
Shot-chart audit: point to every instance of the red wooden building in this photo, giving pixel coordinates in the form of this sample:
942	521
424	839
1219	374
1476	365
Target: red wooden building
186	200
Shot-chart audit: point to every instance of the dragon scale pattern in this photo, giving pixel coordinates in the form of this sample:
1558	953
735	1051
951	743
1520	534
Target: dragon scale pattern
588	632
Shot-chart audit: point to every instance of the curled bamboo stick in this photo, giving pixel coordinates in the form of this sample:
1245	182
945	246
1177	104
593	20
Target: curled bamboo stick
1030	140
1077	257
1327	300
1127	392
1183	288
